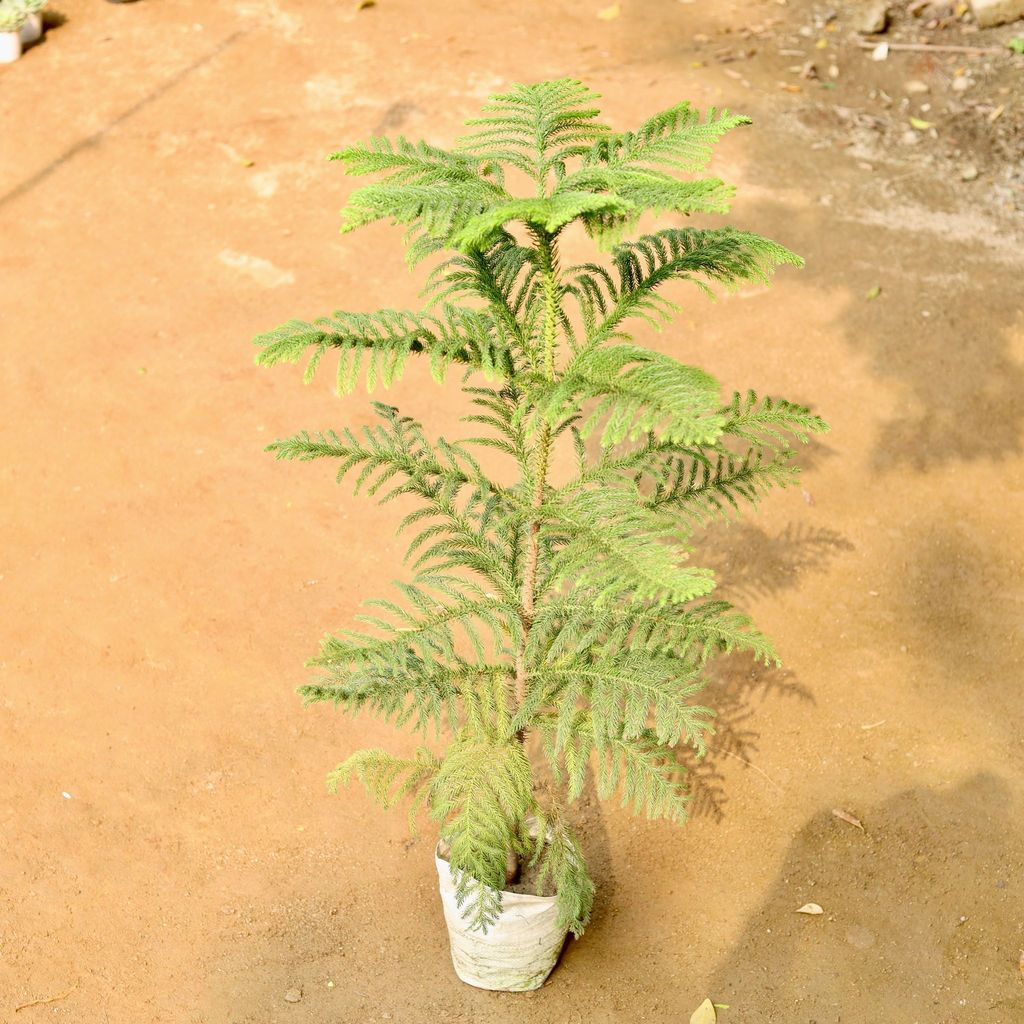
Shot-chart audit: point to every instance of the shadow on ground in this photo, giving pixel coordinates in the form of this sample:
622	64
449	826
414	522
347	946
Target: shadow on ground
738	685
940	335
943	351
921	917
750	562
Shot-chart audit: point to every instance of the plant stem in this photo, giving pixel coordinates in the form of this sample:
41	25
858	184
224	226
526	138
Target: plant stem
549	283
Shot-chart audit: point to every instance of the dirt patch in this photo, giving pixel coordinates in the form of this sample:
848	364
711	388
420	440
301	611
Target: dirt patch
169	851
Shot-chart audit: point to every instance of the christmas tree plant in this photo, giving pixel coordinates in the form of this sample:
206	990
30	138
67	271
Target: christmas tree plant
552	625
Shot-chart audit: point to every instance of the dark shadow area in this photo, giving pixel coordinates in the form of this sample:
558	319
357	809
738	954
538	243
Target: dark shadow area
888	214
941	330
938	335
812	455
751	562
961	600
921	917
396	116
736	689
51	20
953	600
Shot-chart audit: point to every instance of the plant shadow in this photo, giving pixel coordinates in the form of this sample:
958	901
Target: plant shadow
941	332
941	344
752	562
736	685
920	912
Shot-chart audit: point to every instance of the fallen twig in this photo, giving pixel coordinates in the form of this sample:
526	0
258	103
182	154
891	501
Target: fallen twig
43	1002
750	764
933	48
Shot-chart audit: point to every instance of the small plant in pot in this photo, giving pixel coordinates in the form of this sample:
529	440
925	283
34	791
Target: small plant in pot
13	18
32	30
553	626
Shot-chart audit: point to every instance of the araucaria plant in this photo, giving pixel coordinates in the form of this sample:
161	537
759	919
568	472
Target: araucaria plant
553	625
12	15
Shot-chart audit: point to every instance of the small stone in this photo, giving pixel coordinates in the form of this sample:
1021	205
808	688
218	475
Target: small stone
961	84
293	995
968	173
872	17
910	138
997	12
915	87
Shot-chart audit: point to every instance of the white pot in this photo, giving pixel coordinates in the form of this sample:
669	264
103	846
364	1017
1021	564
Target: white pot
10	47
517	952
32	30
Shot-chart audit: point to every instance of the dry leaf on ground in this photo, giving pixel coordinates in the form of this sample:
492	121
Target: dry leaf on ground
847	817
704	1014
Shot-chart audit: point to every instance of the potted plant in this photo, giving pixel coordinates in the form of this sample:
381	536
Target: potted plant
32	29
12	18
553	626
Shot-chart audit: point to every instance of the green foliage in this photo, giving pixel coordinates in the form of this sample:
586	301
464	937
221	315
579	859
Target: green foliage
630	391
13	14
385	340
558	616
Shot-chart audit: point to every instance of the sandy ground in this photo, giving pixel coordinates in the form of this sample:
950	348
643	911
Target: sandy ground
169	853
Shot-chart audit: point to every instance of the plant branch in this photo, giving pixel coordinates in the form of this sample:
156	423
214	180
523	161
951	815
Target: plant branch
866	44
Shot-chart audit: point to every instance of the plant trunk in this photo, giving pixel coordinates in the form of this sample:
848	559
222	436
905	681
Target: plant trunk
512	868
540	475
543	450
543	455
